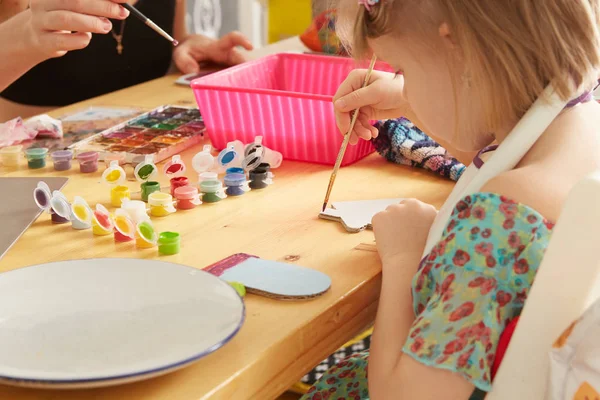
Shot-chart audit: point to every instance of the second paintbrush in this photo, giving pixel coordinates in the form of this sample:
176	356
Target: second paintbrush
150	23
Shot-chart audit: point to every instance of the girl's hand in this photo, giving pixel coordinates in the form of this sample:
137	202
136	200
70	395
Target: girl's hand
197	48
401	231
381	99
57	26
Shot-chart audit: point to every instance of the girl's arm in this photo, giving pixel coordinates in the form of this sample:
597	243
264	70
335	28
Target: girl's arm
401	233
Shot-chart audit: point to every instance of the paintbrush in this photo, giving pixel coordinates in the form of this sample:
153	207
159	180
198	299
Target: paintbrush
340	156
150	23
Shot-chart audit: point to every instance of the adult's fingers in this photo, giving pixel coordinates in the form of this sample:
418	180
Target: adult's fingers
233	39
74	22
99	8
58	43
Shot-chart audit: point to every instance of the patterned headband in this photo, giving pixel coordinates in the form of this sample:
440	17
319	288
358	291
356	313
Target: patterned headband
368	3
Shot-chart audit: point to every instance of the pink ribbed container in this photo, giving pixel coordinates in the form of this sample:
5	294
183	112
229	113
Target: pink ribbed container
286	98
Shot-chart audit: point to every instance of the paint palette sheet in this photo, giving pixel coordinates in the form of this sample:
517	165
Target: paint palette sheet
162	132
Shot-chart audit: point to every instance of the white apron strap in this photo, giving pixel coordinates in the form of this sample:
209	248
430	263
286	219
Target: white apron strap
520	140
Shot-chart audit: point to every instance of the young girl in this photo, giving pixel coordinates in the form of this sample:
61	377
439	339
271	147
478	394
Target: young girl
475	72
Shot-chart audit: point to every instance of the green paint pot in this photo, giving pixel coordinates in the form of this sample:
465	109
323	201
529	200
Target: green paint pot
169	243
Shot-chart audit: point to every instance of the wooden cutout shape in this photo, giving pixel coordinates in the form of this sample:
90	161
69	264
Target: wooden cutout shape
271	279
356	216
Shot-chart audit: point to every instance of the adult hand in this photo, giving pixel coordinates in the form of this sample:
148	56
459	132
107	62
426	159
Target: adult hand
381	99
57	26
197	48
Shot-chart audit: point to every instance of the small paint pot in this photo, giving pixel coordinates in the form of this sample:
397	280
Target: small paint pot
212	191
148	188
203	161
36	157
118	194
124	227
146	236
236	184
208	176
88	162
81	214
146	170
177	182
62	160
235	170
136	210
175	167
161	204
259	178
102	222
42	196
120	158
274	158
187	197
9	156
60	209
228	156
169	243
265	166
114	175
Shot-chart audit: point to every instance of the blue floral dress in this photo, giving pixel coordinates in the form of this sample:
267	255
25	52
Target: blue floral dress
465	292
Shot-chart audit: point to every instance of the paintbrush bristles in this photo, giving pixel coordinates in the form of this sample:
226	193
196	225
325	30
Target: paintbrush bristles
340	157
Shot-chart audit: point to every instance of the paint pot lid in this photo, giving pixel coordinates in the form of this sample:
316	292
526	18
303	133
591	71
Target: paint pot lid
102	217
62	155
174	168
123	223
88	156
235	170
42	196
208	176
160	199
36	152
253	159
146	170
146	231
11	149
186	193
114	174
228	155
251	147
80	201
203	161
60	205
235	179
211	186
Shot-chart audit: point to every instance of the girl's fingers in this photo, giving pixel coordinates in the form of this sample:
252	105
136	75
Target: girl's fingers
99	8
74	22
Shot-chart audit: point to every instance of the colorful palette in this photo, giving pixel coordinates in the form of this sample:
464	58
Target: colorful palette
162	132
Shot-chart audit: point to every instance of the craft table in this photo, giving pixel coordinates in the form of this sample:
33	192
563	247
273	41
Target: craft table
280	341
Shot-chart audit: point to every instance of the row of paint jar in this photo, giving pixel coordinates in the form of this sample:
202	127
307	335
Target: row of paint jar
129	223
36	158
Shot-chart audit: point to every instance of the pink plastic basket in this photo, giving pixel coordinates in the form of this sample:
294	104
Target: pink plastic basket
286	98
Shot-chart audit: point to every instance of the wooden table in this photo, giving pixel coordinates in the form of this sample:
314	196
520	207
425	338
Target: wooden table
280	341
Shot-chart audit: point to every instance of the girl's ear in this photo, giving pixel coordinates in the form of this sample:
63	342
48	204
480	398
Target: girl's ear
446	35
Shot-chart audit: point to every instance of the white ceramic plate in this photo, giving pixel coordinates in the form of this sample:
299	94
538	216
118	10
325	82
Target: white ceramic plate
100	322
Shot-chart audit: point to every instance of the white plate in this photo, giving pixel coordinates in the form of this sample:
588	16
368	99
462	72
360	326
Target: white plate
101	322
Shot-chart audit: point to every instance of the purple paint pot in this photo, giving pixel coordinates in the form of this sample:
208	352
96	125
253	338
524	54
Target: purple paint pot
62	160
88	162
57	219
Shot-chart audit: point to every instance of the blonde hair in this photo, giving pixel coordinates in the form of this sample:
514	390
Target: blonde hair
512	49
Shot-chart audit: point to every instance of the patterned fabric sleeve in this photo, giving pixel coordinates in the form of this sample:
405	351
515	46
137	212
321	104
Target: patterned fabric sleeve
400	141
473	282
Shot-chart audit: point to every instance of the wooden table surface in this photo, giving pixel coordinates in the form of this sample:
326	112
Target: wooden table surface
280	341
